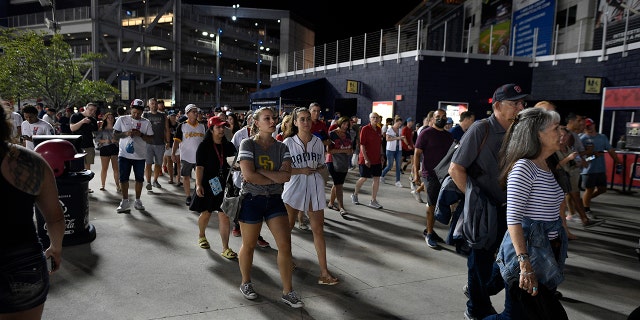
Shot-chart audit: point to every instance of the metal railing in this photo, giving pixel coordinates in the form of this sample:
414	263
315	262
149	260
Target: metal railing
407	41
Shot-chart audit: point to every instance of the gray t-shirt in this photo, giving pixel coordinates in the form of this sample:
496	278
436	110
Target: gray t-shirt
486	159
270	159
158	121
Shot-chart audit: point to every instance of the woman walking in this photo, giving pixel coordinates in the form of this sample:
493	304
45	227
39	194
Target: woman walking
108	148
211	163
338	160
533	251
305	190
26	179
394	150
266	165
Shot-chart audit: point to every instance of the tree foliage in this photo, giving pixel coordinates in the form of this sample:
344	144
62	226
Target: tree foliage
41	66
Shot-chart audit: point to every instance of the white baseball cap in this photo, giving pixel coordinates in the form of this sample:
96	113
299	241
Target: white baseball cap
137	103
189	107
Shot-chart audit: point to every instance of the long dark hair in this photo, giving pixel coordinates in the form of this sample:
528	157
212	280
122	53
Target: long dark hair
104	122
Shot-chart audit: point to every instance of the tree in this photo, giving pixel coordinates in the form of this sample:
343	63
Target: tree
38	65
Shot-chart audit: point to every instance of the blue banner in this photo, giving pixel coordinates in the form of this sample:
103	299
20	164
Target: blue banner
536	15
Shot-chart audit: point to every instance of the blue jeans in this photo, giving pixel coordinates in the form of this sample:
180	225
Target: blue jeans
391	156
484	278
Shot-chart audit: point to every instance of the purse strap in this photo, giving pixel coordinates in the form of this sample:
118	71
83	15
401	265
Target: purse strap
232	163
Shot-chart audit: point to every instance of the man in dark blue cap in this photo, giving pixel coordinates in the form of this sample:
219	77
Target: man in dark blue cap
479	149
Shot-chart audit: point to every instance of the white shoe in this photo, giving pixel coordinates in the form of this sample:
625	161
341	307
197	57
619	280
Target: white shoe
417	196
382	180
138	205
399	184
124	206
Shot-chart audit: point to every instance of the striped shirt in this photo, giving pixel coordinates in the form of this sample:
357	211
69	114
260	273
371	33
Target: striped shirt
534	193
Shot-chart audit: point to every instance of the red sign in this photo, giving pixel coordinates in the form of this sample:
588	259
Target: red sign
621	98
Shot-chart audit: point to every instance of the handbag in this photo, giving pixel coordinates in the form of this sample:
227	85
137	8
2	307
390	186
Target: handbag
232	199
341	162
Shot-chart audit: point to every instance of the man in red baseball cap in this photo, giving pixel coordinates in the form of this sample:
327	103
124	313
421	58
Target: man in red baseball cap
594	176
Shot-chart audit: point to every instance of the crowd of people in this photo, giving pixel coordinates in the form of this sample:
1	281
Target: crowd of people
520	167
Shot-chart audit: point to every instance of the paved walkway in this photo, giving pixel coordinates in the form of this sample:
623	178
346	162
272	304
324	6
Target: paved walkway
147	265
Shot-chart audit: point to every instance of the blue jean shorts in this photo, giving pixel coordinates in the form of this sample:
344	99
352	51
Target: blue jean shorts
125	165
24	281
256	209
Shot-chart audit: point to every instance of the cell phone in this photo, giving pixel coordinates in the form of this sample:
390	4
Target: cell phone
51	264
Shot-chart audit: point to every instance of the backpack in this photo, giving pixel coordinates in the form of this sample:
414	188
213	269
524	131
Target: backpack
442	169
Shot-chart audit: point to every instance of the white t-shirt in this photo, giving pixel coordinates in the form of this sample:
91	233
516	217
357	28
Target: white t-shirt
125	124
39	128
189	136
16	121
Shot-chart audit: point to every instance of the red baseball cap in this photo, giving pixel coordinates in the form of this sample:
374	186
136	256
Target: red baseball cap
217	121
588	122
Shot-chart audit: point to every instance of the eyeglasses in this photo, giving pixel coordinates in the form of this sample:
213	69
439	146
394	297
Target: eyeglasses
516	103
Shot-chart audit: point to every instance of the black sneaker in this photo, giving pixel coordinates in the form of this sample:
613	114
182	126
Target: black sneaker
247	291
436	237
188	201
292	299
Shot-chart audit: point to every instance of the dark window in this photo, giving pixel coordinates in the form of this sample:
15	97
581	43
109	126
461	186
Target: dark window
566	17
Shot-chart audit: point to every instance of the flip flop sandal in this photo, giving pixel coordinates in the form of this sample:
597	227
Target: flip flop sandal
332	207
203	243
329	280
229	254
343	212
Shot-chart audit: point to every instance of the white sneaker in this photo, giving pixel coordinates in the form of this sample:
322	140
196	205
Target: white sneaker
416	195
138	205
399	184
375	204
382	180
124	206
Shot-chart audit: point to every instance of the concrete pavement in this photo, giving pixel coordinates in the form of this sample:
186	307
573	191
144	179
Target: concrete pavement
148	265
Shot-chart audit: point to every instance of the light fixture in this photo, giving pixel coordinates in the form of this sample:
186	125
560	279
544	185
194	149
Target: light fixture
234	17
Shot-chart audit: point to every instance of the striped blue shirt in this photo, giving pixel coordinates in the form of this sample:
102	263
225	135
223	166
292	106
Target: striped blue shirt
534	193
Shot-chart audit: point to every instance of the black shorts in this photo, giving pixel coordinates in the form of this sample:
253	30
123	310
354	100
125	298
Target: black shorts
407	153
337	177
375	170
109	150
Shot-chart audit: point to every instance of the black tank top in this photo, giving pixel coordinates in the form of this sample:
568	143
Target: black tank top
17	229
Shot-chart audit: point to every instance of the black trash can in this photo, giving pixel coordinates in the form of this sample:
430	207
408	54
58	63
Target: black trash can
73	194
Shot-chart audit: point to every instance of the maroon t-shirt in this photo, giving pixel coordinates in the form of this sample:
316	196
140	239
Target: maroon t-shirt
434	145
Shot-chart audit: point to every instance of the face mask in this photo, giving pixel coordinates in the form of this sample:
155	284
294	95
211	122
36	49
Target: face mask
440	123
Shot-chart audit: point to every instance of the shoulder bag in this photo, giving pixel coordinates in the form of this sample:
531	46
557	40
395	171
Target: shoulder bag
232	200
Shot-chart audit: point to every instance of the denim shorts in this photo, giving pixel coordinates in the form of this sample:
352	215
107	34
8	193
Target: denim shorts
256	209
125	165
24	281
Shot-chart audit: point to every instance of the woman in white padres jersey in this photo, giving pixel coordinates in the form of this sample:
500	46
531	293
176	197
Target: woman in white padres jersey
305	190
